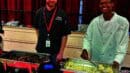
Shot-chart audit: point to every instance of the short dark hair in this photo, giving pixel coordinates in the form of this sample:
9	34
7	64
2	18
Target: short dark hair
113	1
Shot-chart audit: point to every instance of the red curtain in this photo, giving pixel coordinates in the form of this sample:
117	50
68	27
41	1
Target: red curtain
19	10
90	10
11	8
71	7
2	4
24	10
3	12
27	7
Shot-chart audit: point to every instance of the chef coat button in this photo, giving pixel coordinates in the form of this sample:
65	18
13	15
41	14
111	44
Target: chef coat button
102	53
110	44
110	55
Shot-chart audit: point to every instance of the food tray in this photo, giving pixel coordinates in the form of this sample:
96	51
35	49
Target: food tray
26	56
23	60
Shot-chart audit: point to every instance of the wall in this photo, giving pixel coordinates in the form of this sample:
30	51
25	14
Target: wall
25	39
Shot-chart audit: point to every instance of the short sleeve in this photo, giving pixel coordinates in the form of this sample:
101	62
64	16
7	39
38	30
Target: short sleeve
36	19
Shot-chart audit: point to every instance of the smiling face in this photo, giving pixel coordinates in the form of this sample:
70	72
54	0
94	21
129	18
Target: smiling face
106	6
51	3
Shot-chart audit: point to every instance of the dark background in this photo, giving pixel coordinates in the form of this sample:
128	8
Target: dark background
24	10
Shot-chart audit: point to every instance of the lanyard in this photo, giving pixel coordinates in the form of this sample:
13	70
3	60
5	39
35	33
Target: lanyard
48	26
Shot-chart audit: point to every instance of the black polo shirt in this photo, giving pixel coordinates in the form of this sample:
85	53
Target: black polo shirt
60	28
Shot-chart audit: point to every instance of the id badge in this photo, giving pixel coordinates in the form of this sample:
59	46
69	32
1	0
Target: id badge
48	43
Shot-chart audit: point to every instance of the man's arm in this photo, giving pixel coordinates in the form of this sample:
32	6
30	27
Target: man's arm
66	30
63	44
37	32
123	45
86	48
87	42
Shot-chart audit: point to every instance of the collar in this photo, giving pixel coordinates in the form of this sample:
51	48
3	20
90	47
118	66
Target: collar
113	17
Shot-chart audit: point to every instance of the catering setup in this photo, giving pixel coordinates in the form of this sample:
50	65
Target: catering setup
14	61
26	62
22	60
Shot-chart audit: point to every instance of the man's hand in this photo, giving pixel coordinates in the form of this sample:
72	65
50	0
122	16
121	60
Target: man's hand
115	65
84	55
59	57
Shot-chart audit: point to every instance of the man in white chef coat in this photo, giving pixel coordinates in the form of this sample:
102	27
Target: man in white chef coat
106	39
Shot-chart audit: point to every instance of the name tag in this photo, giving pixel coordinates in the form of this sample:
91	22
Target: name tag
48	43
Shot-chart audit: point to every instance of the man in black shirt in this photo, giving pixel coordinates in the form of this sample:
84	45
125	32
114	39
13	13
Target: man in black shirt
52	28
